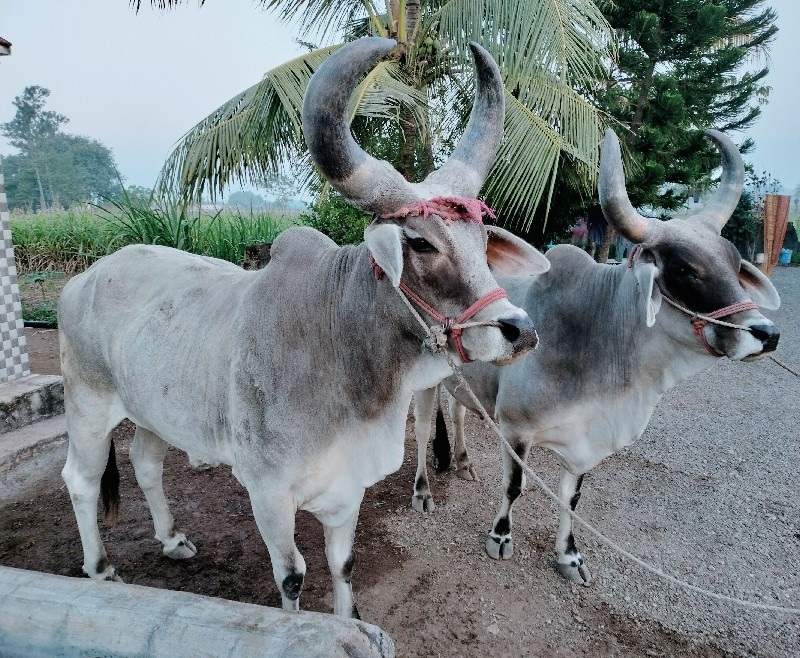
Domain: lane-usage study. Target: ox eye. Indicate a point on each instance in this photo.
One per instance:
(421, 245)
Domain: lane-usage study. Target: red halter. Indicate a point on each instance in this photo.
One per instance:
(449, 209)
(699, 321)
(448, 324)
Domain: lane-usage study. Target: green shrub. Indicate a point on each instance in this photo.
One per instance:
(337, 219)
(45, 311)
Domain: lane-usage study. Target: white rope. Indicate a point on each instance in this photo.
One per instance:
(700, 316)
(575, 517)
(784, 366)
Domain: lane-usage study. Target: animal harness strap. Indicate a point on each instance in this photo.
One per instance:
(699, 321)
(450, 209)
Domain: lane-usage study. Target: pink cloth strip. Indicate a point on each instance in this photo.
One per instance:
(450, 208)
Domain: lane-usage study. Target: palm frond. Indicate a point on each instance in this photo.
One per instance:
(248, 138)
(567, 38)
(327, 18)
(544, 48)
(258, 134)
(528, 158)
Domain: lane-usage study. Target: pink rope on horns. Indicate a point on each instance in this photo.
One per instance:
(448, 208)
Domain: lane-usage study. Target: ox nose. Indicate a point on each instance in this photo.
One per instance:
(519, 332)
(768, 334)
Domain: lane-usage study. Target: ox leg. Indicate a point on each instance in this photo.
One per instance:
(341, 559)
(90, 419)
(464, 468)
(147, 455)
(568, 558)
(500, 543)
(424, 406)
(274, 512)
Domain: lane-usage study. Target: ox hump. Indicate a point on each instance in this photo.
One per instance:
(569, 257)
(299, 245)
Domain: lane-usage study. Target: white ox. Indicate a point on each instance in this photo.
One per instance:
(612, 345)
(299, 375)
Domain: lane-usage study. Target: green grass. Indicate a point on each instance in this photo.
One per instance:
(69, 241)
(72, 240)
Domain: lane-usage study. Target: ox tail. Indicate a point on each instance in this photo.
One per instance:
(441, 442)
(109, 487)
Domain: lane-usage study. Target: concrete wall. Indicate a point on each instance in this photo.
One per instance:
(47, 615)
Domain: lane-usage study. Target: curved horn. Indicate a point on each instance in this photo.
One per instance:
(614, 198)
(371, 184)
(720, 207)
(466, 169)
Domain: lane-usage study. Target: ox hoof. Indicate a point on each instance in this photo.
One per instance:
(500, 547)
(180, 548)
(467, 472)
(423, 503)
(575, 573)
(109, 574)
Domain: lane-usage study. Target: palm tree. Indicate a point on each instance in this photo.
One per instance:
(418, 100)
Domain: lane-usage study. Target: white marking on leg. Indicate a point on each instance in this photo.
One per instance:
(274, 511)
(464, 468)
(147, 456)
(424, 407)
(570, 562)
(341, 558)
(90, 419)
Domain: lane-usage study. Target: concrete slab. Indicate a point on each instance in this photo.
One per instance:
(26, 442)
(47, 615)
(28, 399)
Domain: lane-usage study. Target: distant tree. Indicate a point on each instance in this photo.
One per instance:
(246, 199)
(282, 189)
(138, 193)
(53, 167)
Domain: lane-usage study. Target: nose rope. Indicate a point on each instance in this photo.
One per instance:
(454, 327)
(698, 320)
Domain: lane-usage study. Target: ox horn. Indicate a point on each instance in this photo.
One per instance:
(371, 184)
(720, 206)
(375, 185)
(614, 198)
(466, 169)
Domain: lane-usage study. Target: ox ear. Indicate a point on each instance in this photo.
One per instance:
(508, 255)
(649, 292)
(385, 242)
(759, 287)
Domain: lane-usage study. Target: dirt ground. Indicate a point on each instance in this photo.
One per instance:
(708, 494)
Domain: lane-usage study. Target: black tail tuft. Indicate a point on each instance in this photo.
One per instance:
(109, 488)
(441, 443)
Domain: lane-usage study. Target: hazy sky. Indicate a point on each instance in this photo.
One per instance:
(138, 82)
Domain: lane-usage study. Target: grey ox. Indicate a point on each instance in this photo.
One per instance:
(300, 375)
(610, 346)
